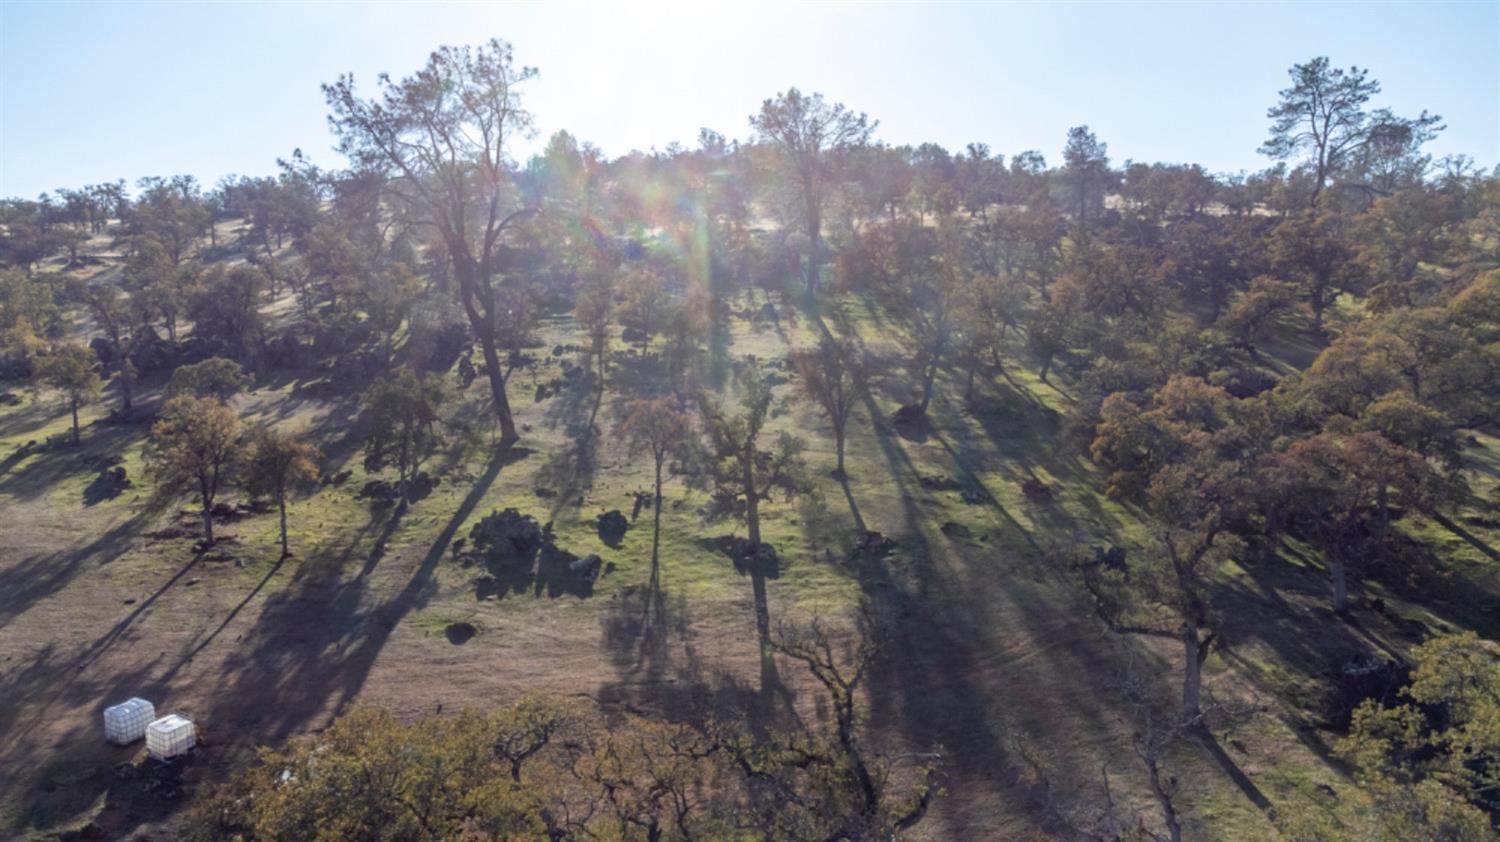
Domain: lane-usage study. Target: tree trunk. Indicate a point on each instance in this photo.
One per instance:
(73, 406)
(281, 503)
(1340, 585)
(127, 387)
(1383, 505)
(208, 514)
(838, 445)
(468, 274)
(1216, 295)
(752, 499)
(654, 593)
(929, 375)
(508, 434)
(857, 761)
(814, 231)
(1194, 652)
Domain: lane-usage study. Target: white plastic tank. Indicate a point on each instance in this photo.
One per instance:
(171, 736)
(126, 722)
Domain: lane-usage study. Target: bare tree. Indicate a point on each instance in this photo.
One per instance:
(1156, 732)
(1175, 588)
(841, 668)
(1157, 729)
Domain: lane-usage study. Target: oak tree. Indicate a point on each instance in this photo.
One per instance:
(660, 428)
(215, 377)
(196, 446)
(401, 416)
(835, 374)
(276, 465)
(441, 139)
(813, 137)
(72, 369)
(742, 466)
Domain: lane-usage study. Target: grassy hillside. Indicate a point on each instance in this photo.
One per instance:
(999, 659)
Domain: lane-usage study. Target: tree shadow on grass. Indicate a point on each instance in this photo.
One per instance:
(40, 576)
(34, 414)
(69, 778)
(306, 656)
(33, 476)
(658, 669)
(568, 474)
(1282, 606)
(719, 337)
(315, 641)
(760, 565)
(935, 683)
(1468, 537)
(1025, 443)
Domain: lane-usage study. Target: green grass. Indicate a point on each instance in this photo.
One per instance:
(950, 548)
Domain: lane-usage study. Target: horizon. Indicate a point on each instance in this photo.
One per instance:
(949, 74)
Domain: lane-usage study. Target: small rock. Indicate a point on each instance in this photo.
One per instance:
(612, 527)
(956, 530)
(586, 568)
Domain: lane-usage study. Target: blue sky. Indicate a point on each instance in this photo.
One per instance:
(96, 91)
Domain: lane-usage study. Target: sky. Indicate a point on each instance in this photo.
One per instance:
(93, 92)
